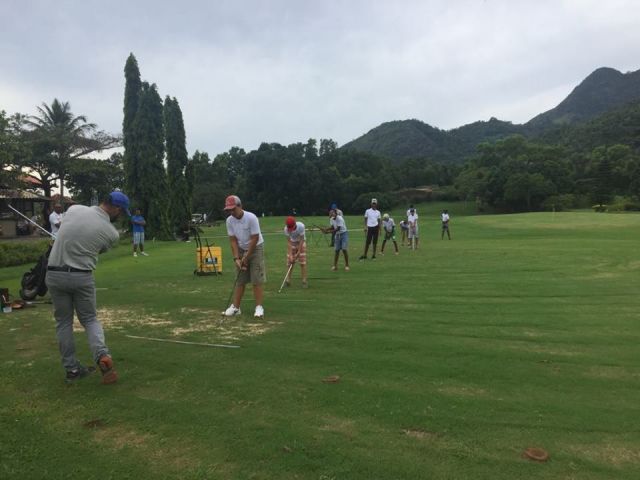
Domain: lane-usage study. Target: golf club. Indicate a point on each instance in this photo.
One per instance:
(286, 276)
(233, 289)
(182, 342)
(32, 222)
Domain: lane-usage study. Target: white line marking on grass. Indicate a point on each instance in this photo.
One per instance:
(183, 342)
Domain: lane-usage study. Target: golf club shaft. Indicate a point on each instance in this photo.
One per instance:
(234, 287)
(32, 222)
(285, 277)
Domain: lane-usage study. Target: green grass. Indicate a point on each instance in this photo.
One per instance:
(522, 331)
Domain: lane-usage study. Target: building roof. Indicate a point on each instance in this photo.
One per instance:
(8, 194)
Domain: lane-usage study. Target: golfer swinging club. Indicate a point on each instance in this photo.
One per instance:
(296, 249)
(246, 241)
(85, 232)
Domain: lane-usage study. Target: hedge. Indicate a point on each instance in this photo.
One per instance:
(21, 252)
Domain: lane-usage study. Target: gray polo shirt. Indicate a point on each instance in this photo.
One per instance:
(85, 232)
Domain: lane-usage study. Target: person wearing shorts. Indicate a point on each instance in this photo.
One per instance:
(404, 228)
(296, 249)
(445, 224)
(389, 228)
(339, 227)
(246, 241)
(413, 229)
(138, 223)
(372, 219)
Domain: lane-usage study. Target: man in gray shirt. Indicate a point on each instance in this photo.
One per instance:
(85, 232)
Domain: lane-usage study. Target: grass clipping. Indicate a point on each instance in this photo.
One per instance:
(180, 324)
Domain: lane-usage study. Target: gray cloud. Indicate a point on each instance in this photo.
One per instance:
(283, 71)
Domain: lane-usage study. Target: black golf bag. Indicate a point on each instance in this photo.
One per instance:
(33, 281)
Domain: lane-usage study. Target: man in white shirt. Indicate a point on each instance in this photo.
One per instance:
(372, 220)
(413, 228)
(246, 241)
(296, 249)
(445, 224)
(55, 219)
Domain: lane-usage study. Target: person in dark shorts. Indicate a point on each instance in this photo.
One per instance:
(372, 222)
(445, 224)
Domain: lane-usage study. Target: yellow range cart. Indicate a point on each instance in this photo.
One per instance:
(208, 258)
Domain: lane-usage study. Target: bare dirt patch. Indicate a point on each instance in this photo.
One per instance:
(420, 433)
(188, 320)
(463, 390)
(177, 456)
(338, 425)
(616, 453)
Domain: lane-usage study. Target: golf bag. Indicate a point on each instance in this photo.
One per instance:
(33, 281)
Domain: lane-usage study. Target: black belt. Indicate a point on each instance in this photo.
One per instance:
(67, 269)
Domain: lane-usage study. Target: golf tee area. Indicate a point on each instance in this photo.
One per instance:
(445, 362)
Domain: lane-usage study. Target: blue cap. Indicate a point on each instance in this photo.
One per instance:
(119, 199)
(333, 206)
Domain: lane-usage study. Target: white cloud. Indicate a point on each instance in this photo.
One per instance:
(283, 71)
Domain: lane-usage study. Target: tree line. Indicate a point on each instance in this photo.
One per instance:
(590, 164)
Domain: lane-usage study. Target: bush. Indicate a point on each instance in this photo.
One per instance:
(21, 252)
(446, 193)
(565, 201)
(385, 201)
(622, 204)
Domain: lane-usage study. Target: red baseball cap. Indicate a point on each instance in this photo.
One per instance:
(231, 202)
(291, 224)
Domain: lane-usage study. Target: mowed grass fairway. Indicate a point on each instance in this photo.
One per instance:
(521, 332)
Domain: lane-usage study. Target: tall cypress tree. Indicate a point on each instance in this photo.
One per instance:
(148, 138)
(179, 200)
(132, 91)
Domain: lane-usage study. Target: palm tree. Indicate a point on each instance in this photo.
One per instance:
(67, 136)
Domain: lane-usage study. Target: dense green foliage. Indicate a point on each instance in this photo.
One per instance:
(520, 332)
(91, 180)
(148, 143)
(21, 252)
(177, 159)
(132, 91)
(277, 179)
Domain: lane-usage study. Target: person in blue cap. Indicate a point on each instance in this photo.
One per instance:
(85, 233)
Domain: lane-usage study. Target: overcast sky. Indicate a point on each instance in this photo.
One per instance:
(246, 72)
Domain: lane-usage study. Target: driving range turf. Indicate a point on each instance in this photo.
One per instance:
(523, 331)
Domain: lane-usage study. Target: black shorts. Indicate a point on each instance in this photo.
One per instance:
(372, 234)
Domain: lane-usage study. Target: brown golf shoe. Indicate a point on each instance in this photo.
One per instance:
(109, 375)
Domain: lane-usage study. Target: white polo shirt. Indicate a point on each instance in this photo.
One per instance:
(54, 219)
(373, 217)
(243, 228)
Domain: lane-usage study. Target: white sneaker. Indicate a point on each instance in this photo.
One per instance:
(135, 254)
(231, 311)
(144, 253)
(259, 313)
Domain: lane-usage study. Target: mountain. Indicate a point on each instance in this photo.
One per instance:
(605, 90)
(621, 125)
(404, 139)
